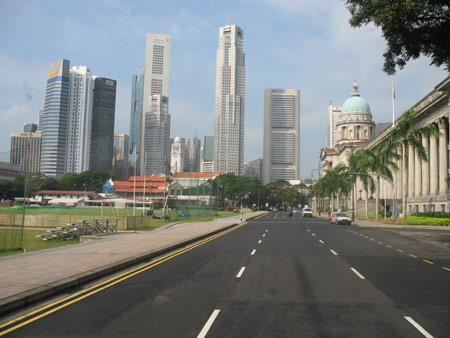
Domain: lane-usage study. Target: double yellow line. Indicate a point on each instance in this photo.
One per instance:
(60, 304)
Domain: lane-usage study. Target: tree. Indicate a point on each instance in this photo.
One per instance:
(380, 162)
(336, 184)
(407, 133)
(411, 28)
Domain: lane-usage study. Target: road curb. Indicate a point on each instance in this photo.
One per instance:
(16, 302)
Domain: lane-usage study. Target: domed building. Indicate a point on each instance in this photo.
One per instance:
(355, 121)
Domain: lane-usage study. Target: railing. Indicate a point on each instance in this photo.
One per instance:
(85, 227)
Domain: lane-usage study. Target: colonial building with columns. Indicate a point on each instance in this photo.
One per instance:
(423, 183)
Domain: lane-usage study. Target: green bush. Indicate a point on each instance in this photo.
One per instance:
(415, 220)
(432, 214)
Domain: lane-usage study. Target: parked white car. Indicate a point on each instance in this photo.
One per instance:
(307, 212)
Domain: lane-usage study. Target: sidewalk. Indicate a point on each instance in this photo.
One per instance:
(29, 277)
(389, 224)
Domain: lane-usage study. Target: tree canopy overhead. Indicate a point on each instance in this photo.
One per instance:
(411, 28)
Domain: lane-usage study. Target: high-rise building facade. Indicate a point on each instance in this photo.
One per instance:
(229, 113)
(156, 151)
(281, 156)
(194, 146)
(137, 90)
(29, 127)
(177, 156)
(155, 103)
(254, 169)
(54, 119)
(120, 160)
(208, 148)
(79, 120)
(26, 150)
(102, 129)
(333, 117)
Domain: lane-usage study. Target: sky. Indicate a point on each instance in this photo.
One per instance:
(302, 44)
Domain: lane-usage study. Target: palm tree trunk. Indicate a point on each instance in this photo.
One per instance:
(367, 204)
(378, 199)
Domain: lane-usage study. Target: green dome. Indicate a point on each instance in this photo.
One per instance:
(355, 104)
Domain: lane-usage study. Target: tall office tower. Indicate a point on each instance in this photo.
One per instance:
(29, 127)
(281, 158)
(56, 111)
(102, 127)
(137, 87)
(155, 153)
(79, 120)
(156, 82)
(254, 169)
(120, 160)
(177, 156)
(41, 117)
(208, 148)
(193, 146)
(26, 149)
(333, 117)
(229, 113)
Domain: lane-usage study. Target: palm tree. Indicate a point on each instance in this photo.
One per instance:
(380, 162)
(407, 133)
(337, 184)
(356, 165)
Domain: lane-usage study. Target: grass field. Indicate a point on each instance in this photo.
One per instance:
(10, 241)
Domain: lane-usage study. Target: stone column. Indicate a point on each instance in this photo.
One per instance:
(433, 166)
(443, 168)
(399, 182)
(425, 169)
(418, 174)
(411, 173)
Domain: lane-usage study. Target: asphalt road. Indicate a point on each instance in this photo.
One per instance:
(274, 277)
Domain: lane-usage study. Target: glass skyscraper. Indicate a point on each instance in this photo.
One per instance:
(56, 110)
(102, 132)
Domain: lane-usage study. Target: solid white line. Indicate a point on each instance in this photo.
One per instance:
(314, 235)
(264, 235)
(357, 273)
(208, 324)
(239, 275)
(259, 242)
(334, 252)
(253, 252)
(418, 327)
(320, 241)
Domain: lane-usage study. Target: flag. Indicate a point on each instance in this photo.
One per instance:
(393, 90)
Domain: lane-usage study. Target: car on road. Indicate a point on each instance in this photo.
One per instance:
(340, 218)
(295, 211)
(307, 212)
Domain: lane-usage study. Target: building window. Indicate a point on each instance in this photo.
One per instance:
(443, 207)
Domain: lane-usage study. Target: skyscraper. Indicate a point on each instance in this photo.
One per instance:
(56, 110)
(208, 148)
(79, 120)
(156, 153)
(229, 113)
(120, 160)
(194, 154)
(137, 87)
(26, 149)
(281, 135)
(155, 128)
(102, 131)
(333, 117)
